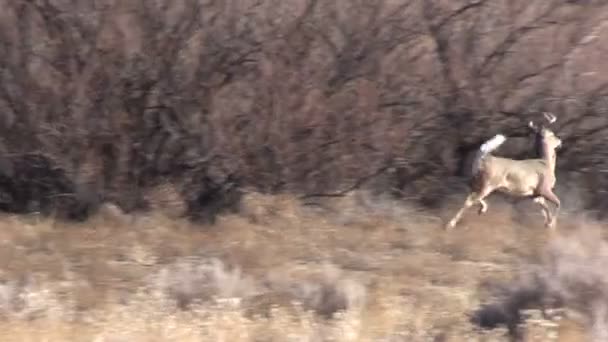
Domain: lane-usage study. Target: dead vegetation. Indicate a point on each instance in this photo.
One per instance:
(366, 269)
(567, 277)
(104, 101)
(138, 121)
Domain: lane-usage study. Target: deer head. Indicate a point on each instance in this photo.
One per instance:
(545, 138)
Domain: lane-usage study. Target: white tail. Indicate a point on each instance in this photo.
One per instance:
(485, 149)
(492, 144)
(533, 178)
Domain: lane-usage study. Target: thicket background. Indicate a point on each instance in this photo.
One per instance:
(137, 101)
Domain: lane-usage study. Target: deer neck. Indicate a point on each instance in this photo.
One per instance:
(549, 156)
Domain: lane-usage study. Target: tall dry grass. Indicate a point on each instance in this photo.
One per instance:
(359, 268)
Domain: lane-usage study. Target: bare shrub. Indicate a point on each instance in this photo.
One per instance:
(193, 280)
(570, 276)
(31, 298)
(109, 212)
(263, 208)
(36, 183)
(166, 199)
(574, 274)
(326, 292)
(318, 98)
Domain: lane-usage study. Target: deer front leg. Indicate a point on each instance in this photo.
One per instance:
(551, 197)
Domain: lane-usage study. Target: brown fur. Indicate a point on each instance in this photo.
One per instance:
(531, 178)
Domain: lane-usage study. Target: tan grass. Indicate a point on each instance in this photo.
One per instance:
(362, 269)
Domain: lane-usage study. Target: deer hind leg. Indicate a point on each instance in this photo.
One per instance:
(471, 199)
(468, 202)
(483, 206)
(545, 209)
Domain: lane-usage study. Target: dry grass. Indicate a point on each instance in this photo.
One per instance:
(353, 269)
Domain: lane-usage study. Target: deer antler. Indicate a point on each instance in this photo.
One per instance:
(550, 117)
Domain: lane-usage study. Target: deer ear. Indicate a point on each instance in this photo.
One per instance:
(533, 126)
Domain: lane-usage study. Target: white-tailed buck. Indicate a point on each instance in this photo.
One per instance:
(532, 178)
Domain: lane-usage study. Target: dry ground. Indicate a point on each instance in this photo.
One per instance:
(353, 269)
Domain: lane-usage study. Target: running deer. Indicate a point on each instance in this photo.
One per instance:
(529, 178)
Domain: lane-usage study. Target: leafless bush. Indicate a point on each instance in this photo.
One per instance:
(312, 97)
(29, 299)
(570, 276)
(329, 292)
(325, 292)
(573, 273)
(198, 280)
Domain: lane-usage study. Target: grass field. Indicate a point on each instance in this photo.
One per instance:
(350, 269)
